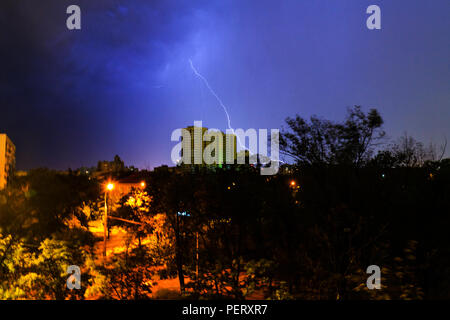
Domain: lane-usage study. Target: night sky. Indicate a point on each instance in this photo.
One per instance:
(123, 83)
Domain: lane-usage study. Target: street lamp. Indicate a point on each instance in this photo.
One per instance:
(109, 187)
(143, 184)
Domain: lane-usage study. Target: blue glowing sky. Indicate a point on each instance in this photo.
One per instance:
(123, 83)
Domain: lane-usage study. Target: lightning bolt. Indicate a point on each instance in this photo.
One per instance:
(213, 93)
(221, 104)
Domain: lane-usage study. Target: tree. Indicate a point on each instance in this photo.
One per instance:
(38, 272)
(39, 204)
(323, 142)
(135, 207)
(127, 276)
(408, 152)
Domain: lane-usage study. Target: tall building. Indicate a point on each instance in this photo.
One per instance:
(105, 168)
(7, 160)
(194, 145)
(230, 141)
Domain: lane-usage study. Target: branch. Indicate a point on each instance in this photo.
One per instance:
(443, 148)
(125, 220)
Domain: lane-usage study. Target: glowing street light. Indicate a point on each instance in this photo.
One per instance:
(293, 185)
(109, 187)
(143, 184)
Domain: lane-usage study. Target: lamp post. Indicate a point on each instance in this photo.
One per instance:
(196, 267)
(109, 187)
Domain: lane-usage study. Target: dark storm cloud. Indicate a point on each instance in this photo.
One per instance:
(62, 92)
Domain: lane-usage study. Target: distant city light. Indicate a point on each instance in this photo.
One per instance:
(143, 184)
(110, 186)
(184, 213)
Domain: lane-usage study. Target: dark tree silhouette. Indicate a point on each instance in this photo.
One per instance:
(323, 142)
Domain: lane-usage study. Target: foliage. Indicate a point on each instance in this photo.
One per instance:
(325, 142)
(125, 276)
(37, 273)
(39, 204)
(408, 152)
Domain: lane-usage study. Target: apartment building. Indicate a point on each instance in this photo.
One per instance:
(194, 145)
(7, 160)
